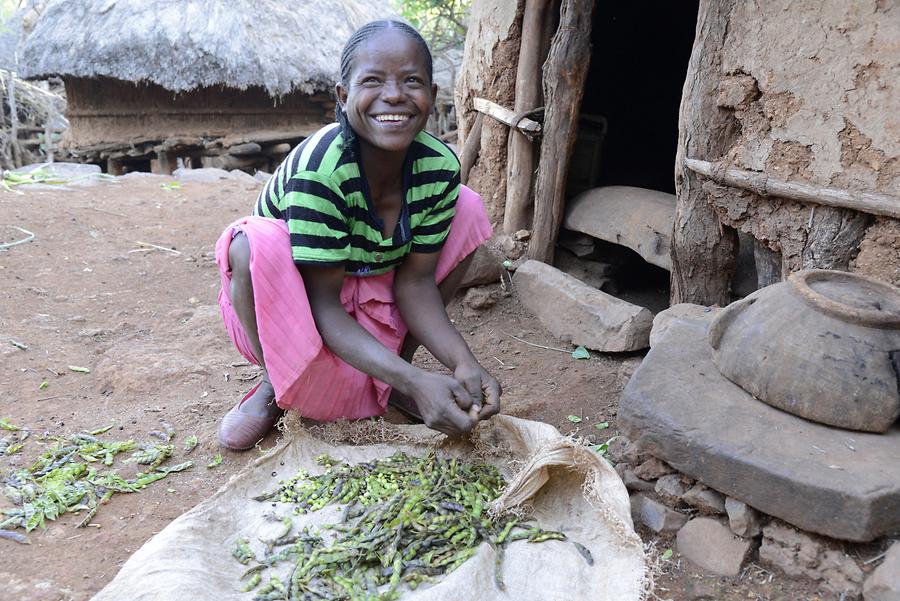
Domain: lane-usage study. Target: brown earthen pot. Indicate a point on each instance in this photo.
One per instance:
(824, 345)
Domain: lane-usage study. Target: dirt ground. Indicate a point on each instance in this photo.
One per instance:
(88, 291)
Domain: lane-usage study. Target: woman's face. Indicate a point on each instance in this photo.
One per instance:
(390, 93)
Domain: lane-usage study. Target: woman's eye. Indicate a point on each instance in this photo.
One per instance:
(369, 81)
(414, 79)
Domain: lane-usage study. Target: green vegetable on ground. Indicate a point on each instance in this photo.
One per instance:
(74, 475)
(405, 520)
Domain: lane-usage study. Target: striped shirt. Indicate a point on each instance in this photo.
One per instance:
(322, 194)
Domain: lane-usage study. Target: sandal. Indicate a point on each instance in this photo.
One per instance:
(240, 431)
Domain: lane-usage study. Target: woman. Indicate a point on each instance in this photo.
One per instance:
(357, 242)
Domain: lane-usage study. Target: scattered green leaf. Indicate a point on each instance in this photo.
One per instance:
(602, 425)
(14, 448)
(170, 186)
(190, 443)
(507, 264)
(80, 370)
(6, 425)
(101, 430)
(574, 419)
(601, 449)
(44, 385)
(667, 555)
(581, 353)
(216, 461)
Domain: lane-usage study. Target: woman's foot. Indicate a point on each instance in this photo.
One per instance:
(251, 419)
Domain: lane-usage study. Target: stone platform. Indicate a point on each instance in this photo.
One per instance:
(834, 482)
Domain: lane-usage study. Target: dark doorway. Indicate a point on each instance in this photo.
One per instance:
(638, 65)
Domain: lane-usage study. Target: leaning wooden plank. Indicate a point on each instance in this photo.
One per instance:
(506, 116)
(471, 148)
(766, 185)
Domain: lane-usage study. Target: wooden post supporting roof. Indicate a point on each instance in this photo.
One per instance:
(565, 73)
(703, 250)
(520, 158)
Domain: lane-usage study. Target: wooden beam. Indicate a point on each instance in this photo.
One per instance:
(520, 156)
(565, 73)
(506, 116)
(766, 185)
(703, 250)
(470, 150)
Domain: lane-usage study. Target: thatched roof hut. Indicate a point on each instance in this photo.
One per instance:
(777, 126)
(139, 73)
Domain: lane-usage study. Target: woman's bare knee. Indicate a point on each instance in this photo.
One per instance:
(239, 256)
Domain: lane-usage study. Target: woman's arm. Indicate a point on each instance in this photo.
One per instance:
(419, 300)
(437, 396)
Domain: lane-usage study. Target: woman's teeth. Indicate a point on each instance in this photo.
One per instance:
(384, 118)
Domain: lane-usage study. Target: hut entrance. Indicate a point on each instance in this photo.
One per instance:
(628, 135)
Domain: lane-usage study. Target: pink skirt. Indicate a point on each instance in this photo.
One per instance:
(306, 375)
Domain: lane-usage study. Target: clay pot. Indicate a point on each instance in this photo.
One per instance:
(824, 345)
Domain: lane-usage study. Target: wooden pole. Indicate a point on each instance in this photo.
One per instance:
(564, 75)
(703, 250)
(765, 185)
(14, 122)
(470, 149)
(520, 156)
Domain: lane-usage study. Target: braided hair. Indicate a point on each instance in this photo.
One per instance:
(349, 53)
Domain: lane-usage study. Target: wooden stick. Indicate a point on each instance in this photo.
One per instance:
(506, 116)
(520, 157)
(168, 250)
(470, 150)
(765, 185)
(548, 348)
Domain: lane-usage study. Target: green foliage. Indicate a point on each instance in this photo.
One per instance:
(441, 22)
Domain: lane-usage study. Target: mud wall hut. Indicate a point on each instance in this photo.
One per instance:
(222, 84)
(775, 123)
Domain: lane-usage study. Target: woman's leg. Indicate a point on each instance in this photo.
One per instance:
(262, 401)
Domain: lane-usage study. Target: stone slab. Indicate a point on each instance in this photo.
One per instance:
(637, 218)
(656, 516)
(574, 311)
(834, 482)
(712, 547)
(884, 582)
(485, 268)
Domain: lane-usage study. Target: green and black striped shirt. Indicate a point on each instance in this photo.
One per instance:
(322, 194)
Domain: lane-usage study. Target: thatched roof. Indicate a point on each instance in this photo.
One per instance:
(184, 44)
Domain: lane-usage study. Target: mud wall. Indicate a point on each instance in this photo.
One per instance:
(107, 111)
(489, 71)
(811, 86)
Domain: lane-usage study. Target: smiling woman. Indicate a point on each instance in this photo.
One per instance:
(355, 245)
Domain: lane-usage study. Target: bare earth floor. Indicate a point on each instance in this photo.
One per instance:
(89, 291)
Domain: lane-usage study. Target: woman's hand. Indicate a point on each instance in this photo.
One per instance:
(483, 389)
(444, 403)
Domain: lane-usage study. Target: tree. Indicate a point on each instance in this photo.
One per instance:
(441, 22)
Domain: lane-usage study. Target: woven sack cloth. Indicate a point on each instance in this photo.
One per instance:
(562, 484)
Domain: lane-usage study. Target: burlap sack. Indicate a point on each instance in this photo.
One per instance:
(564, 485)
